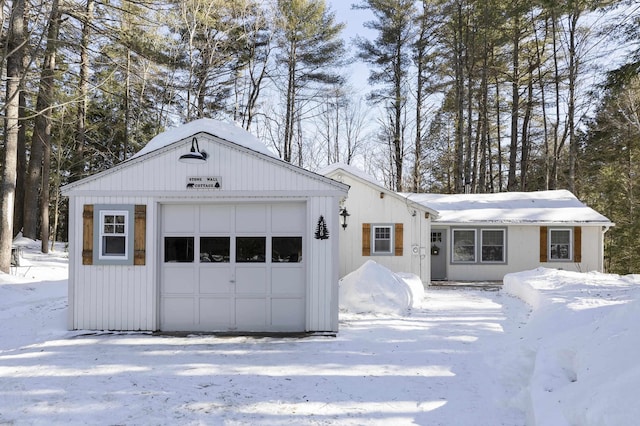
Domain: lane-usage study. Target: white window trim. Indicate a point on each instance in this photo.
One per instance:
(475, 246)
(504, 245)
(392, 238)
(126, 235)
(549, 243)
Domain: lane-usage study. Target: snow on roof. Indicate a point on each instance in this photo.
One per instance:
(351, 170)
(556, 206)
(231, 132)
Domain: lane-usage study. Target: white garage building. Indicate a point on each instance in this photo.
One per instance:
(204, 230)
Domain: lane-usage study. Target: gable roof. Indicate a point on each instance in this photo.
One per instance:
(334, 170)
(225, 133)
(545, 207)
(231, 132)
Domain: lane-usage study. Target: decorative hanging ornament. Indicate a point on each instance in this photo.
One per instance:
(322, 232)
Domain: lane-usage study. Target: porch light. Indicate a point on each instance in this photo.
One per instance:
(195, 156)
(345, 214)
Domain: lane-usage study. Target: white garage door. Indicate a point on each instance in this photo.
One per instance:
(233, 267)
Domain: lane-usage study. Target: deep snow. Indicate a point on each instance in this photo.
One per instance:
(465, 357)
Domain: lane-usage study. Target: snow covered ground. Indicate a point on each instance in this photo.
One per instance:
(451, 357)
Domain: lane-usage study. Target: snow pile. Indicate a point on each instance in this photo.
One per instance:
(372, 288)
(583, 341)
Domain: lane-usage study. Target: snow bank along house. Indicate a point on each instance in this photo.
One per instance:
(467, 237)
(204, 229)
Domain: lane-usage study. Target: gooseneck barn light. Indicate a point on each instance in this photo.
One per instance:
(195, 156)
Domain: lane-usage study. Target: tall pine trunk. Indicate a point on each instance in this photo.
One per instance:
(15, 73)
(37, 182)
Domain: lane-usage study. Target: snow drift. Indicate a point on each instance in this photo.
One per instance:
(372, 288)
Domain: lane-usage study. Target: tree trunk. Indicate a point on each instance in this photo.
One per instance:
(41, 139)
(515, 107)
(83, 94)
(15, 73)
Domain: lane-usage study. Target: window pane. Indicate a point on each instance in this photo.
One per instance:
(560, 237)
(464, 246)
(250, 249)
(214, 249)
(178, 249)
(493, 245)
(286, 249)
(382, 239)
(382, 246)
(113, 246)
(560, 248)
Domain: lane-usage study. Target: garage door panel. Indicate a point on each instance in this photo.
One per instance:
(251, 218)
(179, 280)
(179, 218)
(287, 313)
(178, 313)
(287, 280)
(288, 218)
(216, 219)
(216, 280)
(251, 279)
(251, 314)
(216, 312)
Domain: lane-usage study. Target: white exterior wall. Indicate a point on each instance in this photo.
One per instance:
(365, 206)
(111, 297)
(127, 297)
(523, 253)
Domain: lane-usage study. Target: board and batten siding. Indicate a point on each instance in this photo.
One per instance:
(111, 297)
(523, 255)
(367, 206)
(322, 299)
(241, 170)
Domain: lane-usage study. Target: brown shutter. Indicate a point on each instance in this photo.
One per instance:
(543, 244)
(398, 239)
(140, 233)
(87, 235)
(577, 244)
(366, 239)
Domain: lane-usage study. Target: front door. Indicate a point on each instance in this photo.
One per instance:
(438, 250)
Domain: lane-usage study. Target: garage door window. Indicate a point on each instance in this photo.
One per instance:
(214, 249)
(250, 249)
(286, 249)
(178, 249)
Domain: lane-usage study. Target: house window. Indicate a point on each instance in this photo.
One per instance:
(493, 243)
(214, 249)
(560, 244)
(114, 235)
(382, 239)
(464, 245)
(178, 249)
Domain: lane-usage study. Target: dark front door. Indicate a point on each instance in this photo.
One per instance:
(438, 250)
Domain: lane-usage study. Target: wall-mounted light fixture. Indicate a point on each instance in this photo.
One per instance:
(195, 156)
(345, 214)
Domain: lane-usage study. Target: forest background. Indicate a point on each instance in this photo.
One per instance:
(457, 95)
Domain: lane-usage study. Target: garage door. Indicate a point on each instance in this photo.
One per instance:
(233, 267)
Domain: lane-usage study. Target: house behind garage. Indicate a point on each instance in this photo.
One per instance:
(240, 241)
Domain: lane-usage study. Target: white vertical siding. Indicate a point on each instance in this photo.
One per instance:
(239, 170)
(111, 297)
(322, 276)
(365, 206)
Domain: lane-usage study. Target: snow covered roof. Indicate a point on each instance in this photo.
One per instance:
(557, 206)
(231, 132)
(361, 174)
